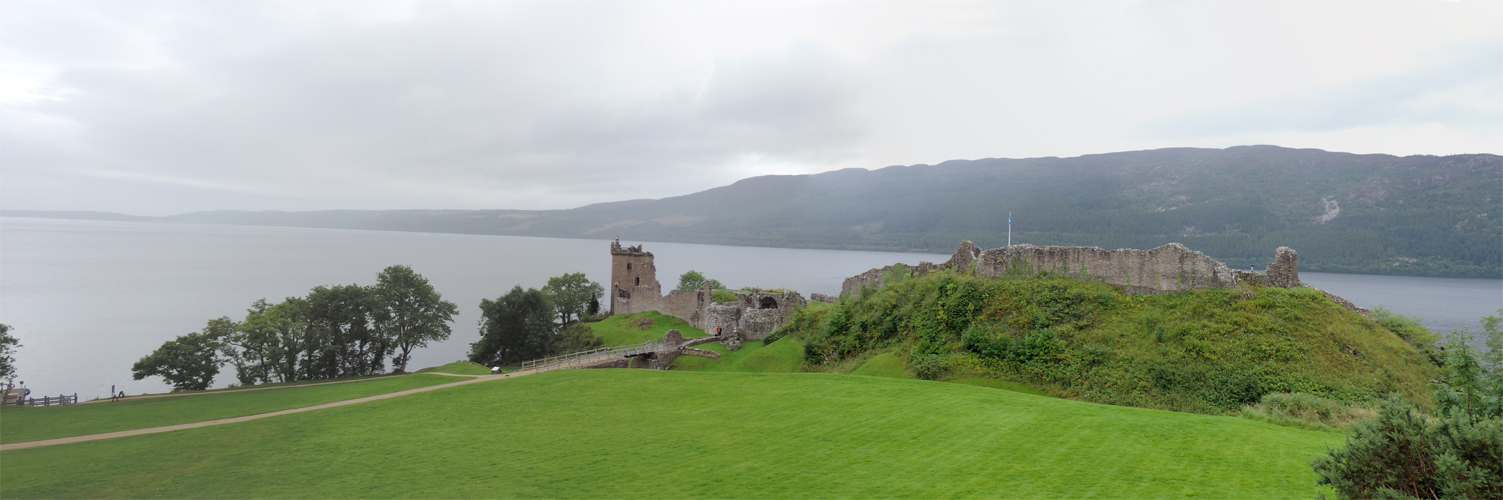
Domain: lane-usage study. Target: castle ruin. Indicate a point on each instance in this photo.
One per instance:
(1170, 268)
(635, 288)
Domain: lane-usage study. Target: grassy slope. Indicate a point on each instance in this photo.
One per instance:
(1203, 351)
(882, 365)
(460, 368)
(625, 329)
(656, 434)
(782, 356)
(32, 423)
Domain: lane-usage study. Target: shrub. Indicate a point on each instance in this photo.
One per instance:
(1402, 454)
(1306, 411)
(774, 336)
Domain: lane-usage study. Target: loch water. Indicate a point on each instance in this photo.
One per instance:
(89, 298)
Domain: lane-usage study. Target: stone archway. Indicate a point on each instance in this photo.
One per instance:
(767, 303)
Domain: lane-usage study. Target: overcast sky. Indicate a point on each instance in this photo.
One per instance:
(155, 108)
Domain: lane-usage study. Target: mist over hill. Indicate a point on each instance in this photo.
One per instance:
(1382, 214)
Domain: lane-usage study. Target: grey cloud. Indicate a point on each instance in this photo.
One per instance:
(473, 99)
(1446, 92)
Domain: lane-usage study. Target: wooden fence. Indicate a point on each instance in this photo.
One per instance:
(594, 356)
(61, 399)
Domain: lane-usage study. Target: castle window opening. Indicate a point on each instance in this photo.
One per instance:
(768, 303)
(628, 266)
(639, 281)
(623, 294)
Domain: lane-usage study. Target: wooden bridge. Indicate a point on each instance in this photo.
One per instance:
(654, 354)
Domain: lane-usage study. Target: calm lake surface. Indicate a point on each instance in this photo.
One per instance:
(89, 298)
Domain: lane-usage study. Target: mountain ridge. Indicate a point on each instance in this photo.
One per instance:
(1345, 212)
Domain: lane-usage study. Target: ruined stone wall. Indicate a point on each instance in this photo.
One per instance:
(1166, 269)
(634, 280)
(687, 305)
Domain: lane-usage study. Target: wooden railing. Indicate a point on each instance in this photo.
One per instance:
(587, 358)
(62, 399)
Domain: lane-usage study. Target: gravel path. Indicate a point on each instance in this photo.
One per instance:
(206, 423)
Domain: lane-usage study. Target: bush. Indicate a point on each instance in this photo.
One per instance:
(1402, 454)
(1306, 411)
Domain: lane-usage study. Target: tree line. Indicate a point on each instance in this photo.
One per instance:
(352, 331)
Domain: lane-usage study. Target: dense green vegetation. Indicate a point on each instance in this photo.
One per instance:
(531, 324)
(29, 423)
(335, 332)
(1379, 214)
(1455, 453)
(670, 434)
(1205, 351)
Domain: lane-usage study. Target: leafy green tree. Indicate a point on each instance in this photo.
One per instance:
(189, 362)
(576, 337)
(344, 345)
(515, 327)
(693, 280)
(571, 295)
(8, 345)
(409, 312)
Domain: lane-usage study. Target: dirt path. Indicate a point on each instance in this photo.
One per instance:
(206, 423)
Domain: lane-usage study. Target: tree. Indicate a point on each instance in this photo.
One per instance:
(576, 337)
(571, 295)
(344, 345)
(513, 328)
(8, 345)
(189, 362)
(693, 280)
(409, 312)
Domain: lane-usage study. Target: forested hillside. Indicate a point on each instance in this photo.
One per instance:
(1421, 215)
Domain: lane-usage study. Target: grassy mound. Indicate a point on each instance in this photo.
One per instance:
(460, 368)
(627, 329)
(882, 365)
(668, 434)
(28, 423)
(1206, 351)
(782, 356)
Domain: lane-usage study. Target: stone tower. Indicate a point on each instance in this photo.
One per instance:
(634, 280)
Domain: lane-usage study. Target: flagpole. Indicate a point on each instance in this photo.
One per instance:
(1009, 229)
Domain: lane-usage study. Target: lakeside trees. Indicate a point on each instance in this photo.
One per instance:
(520, 325)
(8, 345)
(338, 331)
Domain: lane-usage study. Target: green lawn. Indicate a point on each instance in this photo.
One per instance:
(463, 368)
(1000, 384)
(675, 434)
(782, 356)
(29, 423)
(882, 365)
(626, 329)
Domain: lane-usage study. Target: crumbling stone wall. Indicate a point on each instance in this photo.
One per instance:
(634, 280)
(1284, 270)
(1167, 269)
